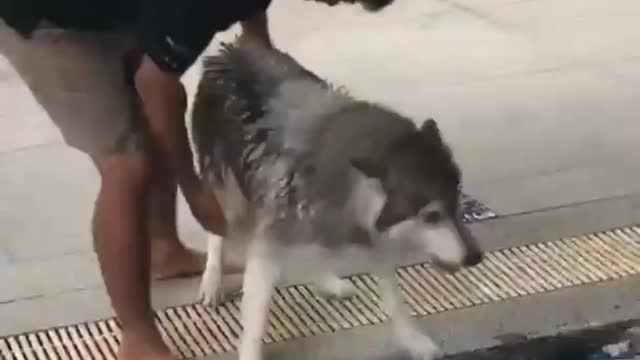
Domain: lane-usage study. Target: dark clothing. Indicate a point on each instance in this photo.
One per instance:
(172, 33)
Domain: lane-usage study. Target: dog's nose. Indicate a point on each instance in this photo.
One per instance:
(473, 259)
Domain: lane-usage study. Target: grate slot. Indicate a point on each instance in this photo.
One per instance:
(101, 341)
(83, 351)
(60, 348)
(618, 261)
(47, 346)
(429, 290)
(88, 342)
(35, 345)
(539, 284)
(110, 337)
(323, 317)
(369, 299)
(567, 262)
(172, 331)
(17, 353)
(483, 283)
(587, 263)
(5, 353)
(341, 310)
(421, 306)
(354, 311)
(291, 314)
(471, 288)
(310, 317)
(554, 268)
(362, 308)
(68, 344)
(539, 267)
(521, 286)
(26, 349)
(228, 335)
(306, 303)
(627, 246)
(336, 318)
(208, 342)
(187, 331)
(208, 329)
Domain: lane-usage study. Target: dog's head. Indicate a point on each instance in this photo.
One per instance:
(418, 199)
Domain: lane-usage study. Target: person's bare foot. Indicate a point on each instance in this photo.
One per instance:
(171, 259)
(144, 345)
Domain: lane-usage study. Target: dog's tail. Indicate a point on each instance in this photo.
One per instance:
(237, 85)
(251, 71)
(248, 85)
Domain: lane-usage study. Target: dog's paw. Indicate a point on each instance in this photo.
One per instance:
(418, 345)
(334, 287)
(210, 293)
(424, 351)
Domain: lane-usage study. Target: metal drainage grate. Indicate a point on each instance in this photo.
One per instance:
(194, 331)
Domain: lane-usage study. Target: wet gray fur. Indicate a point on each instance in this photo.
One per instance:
(289, 138)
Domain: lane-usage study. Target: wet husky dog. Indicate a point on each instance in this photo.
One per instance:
(310, 177)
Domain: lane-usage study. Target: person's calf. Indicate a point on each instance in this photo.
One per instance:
(123, 247)
(169, 257)
(119, 227)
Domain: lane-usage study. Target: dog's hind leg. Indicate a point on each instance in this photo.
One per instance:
(331, 285)
(260, 277)
(405, 332)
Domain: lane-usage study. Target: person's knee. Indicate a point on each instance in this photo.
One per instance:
(125, 179)
(130, 170)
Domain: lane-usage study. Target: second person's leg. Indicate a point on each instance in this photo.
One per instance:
(169, 256)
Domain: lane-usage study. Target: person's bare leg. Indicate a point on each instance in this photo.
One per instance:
(169, 256)
(122, 245)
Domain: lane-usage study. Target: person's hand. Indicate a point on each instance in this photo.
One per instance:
(207, 210)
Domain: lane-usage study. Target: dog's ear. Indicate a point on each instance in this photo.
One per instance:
(368, 168)
(375, 5)
(431, 133)
(430, 129)
(389, 215)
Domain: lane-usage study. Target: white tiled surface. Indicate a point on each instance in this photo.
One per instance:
(539, 99)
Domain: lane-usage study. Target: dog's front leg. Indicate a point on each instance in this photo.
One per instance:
(260, 277)
(211, 283)
(405, 331)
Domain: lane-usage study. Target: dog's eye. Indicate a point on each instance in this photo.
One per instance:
(433, 217)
